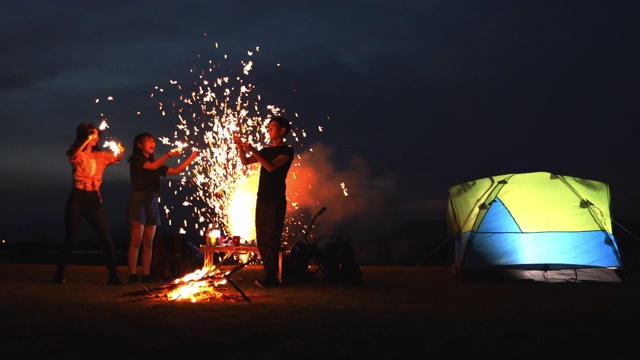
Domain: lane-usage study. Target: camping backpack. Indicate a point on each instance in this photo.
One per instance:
(174, 257)
(295, 264)
(337, 260)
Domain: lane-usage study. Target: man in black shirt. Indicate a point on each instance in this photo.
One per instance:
(271, 203)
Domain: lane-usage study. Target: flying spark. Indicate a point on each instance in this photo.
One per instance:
(210, 112)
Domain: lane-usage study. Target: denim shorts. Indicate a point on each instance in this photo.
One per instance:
(143, 208)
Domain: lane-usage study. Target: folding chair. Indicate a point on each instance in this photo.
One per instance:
(296, 267)
(326, 257)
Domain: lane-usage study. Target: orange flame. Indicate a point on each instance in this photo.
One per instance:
(198, 285)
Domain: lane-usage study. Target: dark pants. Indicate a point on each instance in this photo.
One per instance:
(269, 227)
(86, 204)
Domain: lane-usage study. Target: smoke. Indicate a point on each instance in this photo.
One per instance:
(356, 203)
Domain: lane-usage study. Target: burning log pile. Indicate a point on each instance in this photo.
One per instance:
(200, 285)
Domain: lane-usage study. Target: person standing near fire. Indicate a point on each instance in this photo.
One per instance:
(271, 202)
(88, 163)
(143, 211)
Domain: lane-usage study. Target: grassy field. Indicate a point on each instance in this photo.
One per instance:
(396, 312)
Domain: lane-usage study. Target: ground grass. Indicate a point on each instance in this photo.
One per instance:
(396, 312)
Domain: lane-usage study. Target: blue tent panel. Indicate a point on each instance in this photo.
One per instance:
(555, 249)
(498, 219)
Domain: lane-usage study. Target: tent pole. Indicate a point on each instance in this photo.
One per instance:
(628, 232)
(428, 255)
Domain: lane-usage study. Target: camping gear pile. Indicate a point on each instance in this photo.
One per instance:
(327, 259)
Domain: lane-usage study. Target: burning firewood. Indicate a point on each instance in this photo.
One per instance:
(196, 286)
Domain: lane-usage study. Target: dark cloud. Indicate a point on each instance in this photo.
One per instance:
(425, 94)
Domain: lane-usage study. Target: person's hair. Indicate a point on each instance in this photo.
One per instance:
(82, 133)
(282, 122)
(136, 149)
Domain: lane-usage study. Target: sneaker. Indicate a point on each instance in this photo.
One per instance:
(266, 284)
(133, 278)
(114, 280)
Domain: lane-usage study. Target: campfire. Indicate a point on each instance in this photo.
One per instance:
(197, 286)
(202, 284)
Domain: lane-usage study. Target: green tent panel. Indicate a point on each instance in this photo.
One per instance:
(533, 226)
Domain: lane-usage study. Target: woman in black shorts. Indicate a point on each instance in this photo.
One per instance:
(143, 212)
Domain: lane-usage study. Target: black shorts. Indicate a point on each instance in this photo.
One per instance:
(143, 208)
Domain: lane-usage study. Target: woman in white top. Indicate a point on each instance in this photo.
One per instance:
(88, 163)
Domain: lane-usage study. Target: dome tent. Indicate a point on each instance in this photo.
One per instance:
(533, 226)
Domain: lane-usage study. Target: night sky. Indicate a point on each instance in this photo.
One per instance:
(413, 96)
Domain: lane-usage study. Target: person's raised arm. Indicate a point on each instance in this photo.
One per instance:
(255, 156)
(180, 168)
(80, 148)
(268, 165)
(242, 154)
(153, 165)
